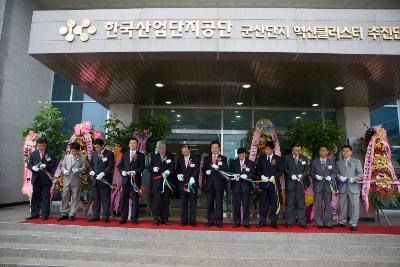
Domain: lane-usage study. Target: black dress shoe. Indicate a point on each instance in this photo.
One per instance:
(106, 220)
(63, 217)
(305, 226)
(32, 217)
(341, 225)
(328, 227)
(122, 221)
(45, 218)
(71, 218)
(184, 224)
(247, 226)
(235, 225)
(93, 220)
(134, 222)
(275, 226)
(260, 225)
(156, 223)
(353, 228)
(320, 226)
(288, 226)
(193, 224)
(209, 224)
(219, 225)
(166, 222)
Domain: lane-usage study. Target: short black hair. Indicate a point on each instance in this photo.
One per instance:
(241, 150)
(215, 142)
(270, 144)
(41, 140)
(185, 145)
(296, 145)
(98, 141)
(133, 138)
(75, 146)
(321, 146)
(347, 146)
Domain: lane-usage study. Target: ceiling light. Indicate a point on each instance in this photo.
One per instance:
(232, 121)
(237, 116)
(315, 105)
(246, 85)
(298, 117)
(172, 110)
(239, 103)
(159, 85)
(304, 113)
(168, 102)
(338, 88)
(178, 120)
(178, 115)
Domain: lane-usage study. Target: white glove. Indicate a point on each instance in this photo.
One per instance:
(328, 178)
(35, 168)
(131, 173)
(191, 181)
(342, 179)
(75, 170)
(180, 177)
(92, 173)
(167, 172)
(156, 169)
(264, 178)
(236, 177)
(352, 180)
(215, 166)
(66, 173)
(319, 178)
(124, 173)
(208, 172)
(294, 177)
(100, 176)
(272, 179)
(299, 177)
(42, 166)
(243, 176)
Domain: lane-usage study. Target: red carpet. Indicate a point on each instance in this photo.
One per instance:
(147, 224)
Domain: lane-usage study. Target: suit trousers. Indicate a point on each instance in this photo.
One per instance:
(70, 200)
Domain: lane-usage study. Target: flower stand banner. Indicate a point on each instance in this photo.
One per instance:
(379, 184)
(28, 148)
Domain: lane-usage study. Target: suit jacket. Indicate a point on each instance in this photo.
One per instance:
(329, 169)
(352, 169)
(35, 160)
(267, 168)
(215, 178)
(137, 165)
(192, 170)
(291, 168)
(248, 169)
(69, 163)
(167, 163)
(102, 163)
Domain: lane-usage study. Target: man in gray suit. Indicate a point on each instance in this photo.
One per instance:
(323, 173)
(296, 171)
(349, 192)
(74, 168)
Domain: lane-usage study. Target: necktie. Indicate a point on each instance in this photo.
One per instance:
(296, 158)
(132, 155)
(187, 161)
(214, 159)
(41, 155)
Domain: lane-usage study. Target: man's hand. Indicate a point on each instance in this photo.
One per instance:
(328, 178)
(352, 180)
(35, 168)
(243, 176)
(208, 172)
(167, 172)
(132, 173)
(264, 178)
(100, 176)
(156, 169)
(294, 177)
(66, 173)
(92, 173)
(75, 170)
(191, 181)
(124, 173)
(42, 166)
(180, 177)
(342, 179)
(215, 166)
(272, 179)
(319, 178)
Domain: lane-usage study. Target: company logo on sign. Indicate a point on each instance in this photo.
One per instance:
(72, 29)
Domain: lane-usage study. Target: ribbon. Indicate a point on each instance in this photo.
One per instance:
(189, 187)
(135, 187)
(165, 182)
(227, 175)
(278, 204)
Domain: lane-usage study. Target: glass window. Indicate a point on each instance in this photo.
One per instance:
(77, 94)
(144, 113)
(237, 119)
(61, 89)
(231, 143)
(192, 118)
(96, 114)
(72, 112)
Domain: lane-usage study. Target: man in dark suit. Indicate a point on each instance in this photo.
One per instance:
(296, 170)
(215, 184)
(269, 170)
(101, 167)
(131, 167)
(187, 169)
(241, 186)
(42, 163)
(162, 166)
(323, 173)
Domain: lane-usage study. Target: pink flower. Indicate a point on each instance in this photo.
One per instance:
(97, 134)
